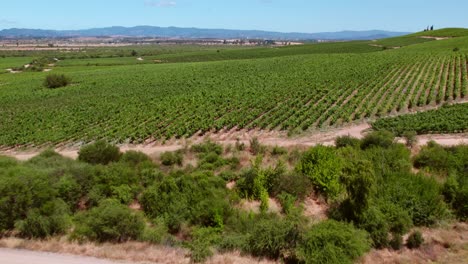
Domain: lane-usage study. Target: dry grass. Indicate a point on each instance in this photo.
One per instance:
(236, 258)
(254, 206)
(447, 245)
(131, 251)
(128, 252)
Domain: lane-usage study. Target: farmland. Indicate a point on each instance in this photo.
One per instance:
(448, 119)
(183, 92)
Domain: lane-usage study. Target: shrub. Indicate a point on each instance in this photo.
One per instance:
(395, 159)
(347, 141)
(382, 139)
(397, 242)
(278, 151)
(359, 180)
(156, 233)
(239, 145)
(134, 158)
(211, 160)
(332, 242)
(52, 218)
(207, 147)
(99, 152)
(110, 221)
(255, 147)
(271, 237)
(197, 199)
(22, 189)
(287, 202)
(293, 183)
(172, 158)
(415, 240)
(376, 224)
(56, 81)
(323, 167)
(417, 194)
(69, 190)
(116, 180)
(410, 138)
(202, 241)
(433, 157)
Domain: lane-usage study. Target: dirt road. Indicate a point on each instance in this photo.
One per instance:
(269, 138)
(16, 256)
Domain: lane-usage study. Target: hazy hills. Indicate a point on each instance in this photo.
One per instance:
(193, 33)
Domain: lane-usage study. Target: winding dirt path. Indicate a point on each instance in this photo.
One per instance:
(269, 138)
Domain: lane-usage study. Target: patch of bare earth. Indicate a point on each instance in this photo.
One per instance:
(268, 138)
(442, 245)
(315, 208)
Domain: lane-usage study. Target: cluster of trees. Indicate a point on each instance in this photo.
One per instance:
(374, 197)
(429, 28)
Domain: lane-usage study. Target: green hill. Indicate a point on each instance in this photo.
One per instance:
(445, 32)
(422, 37)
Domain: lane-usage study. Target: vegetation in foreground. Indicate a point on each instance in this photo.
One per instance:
(107, 196)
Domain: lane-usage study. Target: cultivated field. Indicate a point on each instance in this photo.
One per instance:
(182, 93)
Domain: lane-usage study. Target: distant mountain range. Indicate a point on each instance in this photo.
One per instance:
(197, 33)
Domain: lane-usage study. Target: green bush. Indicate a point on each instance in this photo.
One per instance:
(211, 161)
(455, 191)
(156, 233)
(347, 141)
(271, 238)
(256, 148)
(207, 147)
(134, 158)
(69, 190)
(22, 189)
(198, 199)
(293, 183)
(53, 218)
(56, 81)
(394, 159)
(332, 242)
(110, 221)
(382, 139)
(360, 184)
(278, 151)
(410, 138)
(415, 240)
(287, 202)
(172, 158)
(397, 242)
(417, 194)
(376, 224)
(433, 157)
(202, 241)
(99, 152)
(116, 180)
(323, 167)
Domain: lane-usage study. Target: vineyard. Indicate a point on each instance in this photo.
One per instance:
(447, 119)
(297, 89)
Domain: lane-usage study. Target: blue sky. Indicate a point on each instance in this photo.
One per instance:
(275, 15)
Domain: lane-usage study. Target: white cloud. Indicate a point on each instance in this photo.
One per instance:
(161, 3)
